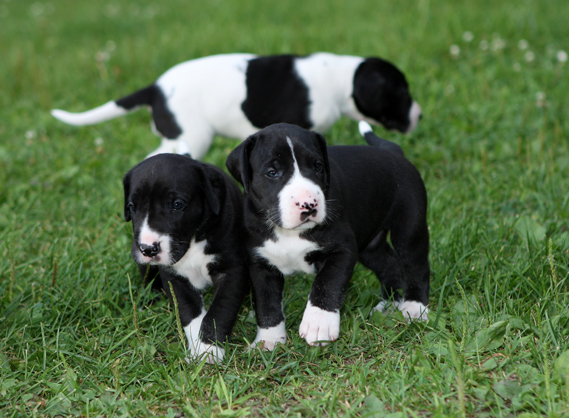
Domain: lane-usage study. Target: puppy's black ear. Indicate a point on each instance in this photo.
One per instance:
(238, 162)
(324, 150)
(126, 187)
(212, 190)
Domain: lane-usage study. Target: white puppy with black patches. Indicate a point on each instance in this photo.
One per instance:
(234, 95)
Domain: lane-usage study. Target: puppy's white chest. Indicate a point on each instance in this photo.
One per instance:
(193, 265)
(288, 253)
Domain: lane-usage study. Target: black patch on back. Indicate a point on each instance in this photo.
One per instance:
(275, 93)
(382, 93)
(153, 96)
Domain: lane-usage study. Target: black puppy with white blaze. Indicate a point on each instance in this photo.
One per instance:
(234, 95)
(187, 219)
(317, 209)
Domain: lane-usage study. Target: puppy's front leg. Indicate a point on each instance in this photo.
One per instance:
(268, 286)
(231, 286)
(321, 320)
(192, 312)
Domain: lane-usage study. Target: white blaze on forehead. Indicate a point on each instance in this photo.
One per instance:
(148, 236)
(300, 192)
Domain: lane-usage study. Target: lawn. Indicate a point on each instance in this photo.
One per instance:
(77, 334)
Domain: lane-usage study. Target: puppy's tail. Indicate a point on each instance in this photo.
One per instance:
(375, 141)
(109, 110)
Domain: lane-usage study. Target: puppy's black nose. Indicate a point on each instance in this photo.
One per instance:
(150, 250)
(304, 215)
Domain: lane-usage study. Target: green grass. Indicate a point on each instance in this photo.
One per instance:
(493, 148)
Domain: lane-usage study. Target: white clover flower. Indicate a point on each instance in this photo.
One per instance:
(540, 99)
(454, 50)
(561, 56)
(30, 134)
(484, 45)
(37, 9)
(102, 56)
(112, 10)
(523, 44)
(529, 56)
(98, 141)
(498, 44)
(467, 36)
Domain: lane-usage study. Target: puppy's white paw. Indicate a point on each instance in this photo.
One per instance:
(212, 353)
(384, 308)
(411, 310)
(318, 327)
(197, 348)
(270, 337)
(414, 310)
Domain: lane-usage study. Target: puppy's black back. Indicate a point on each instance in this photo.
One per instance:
(389, 188)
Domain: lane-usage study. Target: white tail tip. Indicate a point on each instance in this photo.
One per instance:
(102, 113)
(364, 127)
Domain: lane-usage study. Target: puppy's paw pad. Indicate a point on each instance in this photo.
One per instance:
(318, 327)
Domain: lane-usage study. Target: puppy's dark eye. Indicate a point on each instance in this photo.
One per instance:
(318, 167)
(272, 173)
(178, 205)
(130, 207)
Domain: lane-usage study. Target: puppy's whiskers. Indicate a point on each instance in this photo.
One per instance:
(331, 212)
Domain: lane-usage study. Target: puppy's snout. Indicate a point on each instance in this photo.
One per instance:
(308, 209)
(304, 215)
(150, 250)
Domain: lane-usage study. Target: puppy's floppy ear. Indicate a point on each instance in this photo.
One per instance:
(126, 187)
(213, 193)
(238, 162)
(324, 150)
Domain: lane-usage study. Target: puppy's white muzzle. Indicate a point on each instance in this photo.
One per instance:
(154, 247)
(302, 204)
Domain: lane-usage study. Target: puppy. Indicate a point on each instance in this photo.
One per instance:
(234, 95)
(187, 218)
(318, 210)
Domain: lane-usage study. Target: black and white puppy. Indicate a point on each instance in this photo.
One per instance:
(317, 209)
(234, 95)
(187, 219)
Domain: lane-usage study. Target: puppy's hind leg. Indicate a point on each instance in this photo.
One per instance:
(186, 137)
(403, 285)
(411, 245)
(379, 257)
